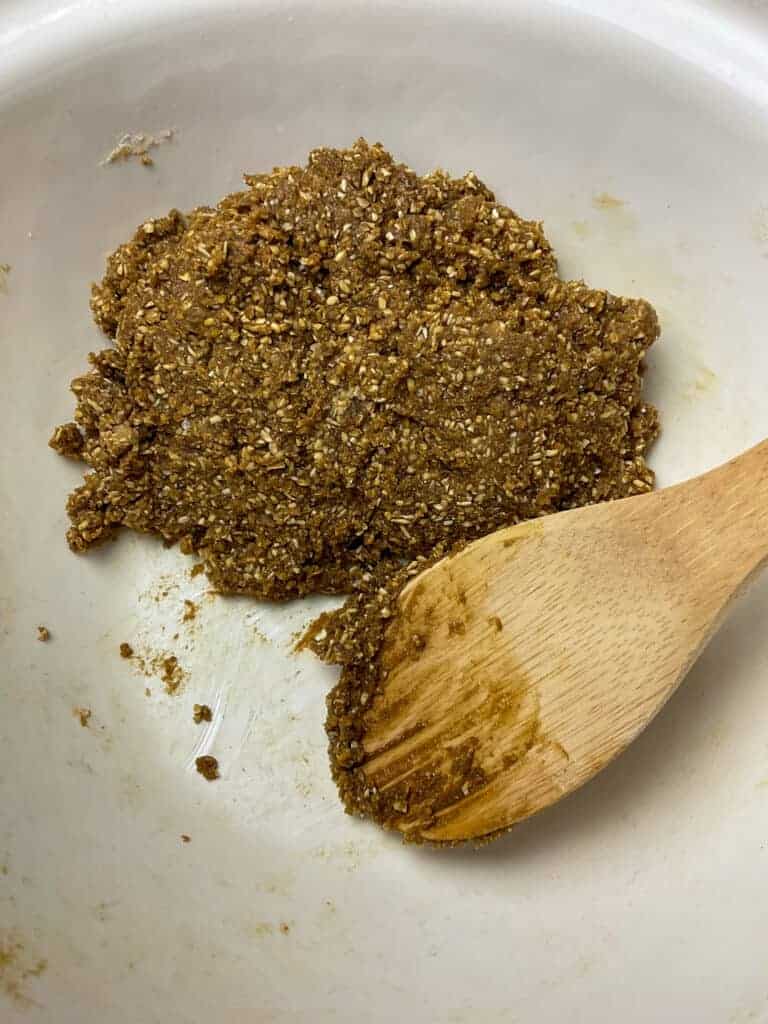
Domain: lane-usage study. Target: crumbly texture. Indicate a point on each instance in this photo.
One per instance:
(43, 634)
(156, 663)
(208, 767)
(352, 637)
(171, 673)
(201, 713)
(344, 365)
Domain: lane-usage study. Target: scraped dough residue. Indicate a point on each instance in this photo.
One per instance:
(605, 201)
(17, 967)
(138, 145)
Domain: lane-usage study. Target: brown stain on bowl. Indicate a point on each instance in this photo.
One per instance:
(605, 201)
(612, 222)
(259, 929)
(18, 968)
(84, 716)
(703, 383)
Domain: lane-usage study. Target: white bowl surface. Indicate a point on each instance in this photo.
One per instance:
(640, 898)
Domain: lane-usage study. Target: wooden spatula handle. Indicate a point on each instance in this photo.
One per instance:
(721, 519)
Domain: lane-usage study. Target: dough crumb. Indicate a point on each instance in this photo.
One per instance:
(201, 713)
(172, 674)
(208, 767)
(83, 714)
(126, 651)
(68, 440)
(43, 633)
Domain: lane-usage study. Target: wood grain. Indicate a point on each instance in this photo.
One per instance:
(518, 668)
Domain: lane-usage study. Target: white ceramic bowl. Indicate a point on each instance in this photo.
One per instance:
(642, 897)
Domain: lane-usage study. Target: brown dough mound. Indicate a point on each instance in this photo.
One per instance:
(343, 366)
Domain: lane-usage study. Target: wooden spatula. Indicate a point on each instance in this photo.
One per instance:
(550, 645)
